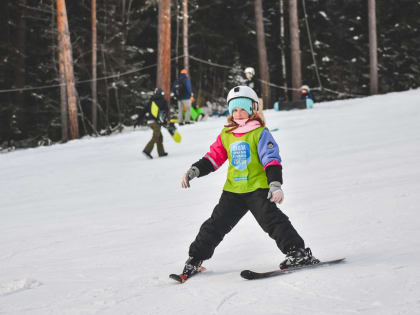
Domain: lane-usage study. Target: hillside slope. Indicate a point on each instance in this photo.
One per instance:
(92, 227)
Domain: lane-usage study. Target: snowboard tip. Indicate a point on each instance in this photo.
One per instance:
(246, 274)
(177, 278)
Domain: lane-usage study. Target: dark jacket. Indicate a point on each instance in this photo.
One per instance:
(255, 85)
(304, 96)
(161, 102)
(187, 93)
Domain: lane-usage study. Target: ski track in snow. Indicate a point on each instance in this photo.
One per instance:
(17, 286)
(224, 300)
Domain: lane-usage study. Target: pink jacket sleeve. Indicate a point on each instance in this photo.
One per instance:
(217, 154)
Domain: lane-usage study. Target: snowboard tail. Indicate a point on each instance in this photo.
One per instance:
(182, 278)
(173, 132)
(179, 278)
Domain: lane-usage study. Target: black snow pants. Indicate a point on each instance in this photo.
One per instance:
(230, 209)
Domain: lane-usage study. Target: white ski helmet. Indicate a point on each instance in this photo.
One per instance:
(242, 91)
(305, 87)
(250, 70)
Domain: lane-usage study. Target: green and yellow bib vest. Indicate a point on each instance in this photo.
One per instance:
(245, 172)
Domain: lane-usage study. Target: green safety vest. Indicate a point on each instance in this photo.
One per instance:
(245, 172)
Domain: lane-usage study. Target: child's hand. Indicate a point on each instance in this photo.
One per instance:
(275, 194)
(189, 175)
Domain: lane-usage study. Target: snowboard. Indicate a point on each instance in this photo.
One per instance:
(173, 132)
(161, 118)
(252, 275)
(309, 103)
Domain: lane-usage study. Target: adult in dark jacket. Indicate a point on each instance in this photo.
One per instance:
(156, 115)
(254, 84)
(184, 97)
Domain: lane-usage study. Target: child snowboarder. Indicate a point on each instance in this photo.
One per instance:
(157, 113)
(253, 183)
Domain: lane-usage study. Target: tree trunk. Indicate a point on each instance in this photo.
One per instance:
(185, 34)
(7, 38)
(177, 37)
(61, 75)
(373, 48)
(63, 95)
(20, 62)
(295, 49)
(164, 48)
(107, 98)
(283, 50)
(123, 7)
(64, 38)
(262, 53)
(94, 70)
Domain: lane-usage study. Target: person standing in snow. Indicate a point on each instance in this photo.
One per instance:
(183, 92)
(156, 115)
(305, 93)
(254, 84)
(253, 183)
(306, 96)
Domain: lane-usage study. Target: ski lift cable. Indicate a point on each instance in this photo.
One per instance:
(172, 59)
(43, 87)
(210, 63)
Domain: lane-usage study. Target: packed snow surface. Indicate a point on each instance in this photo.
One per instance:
(93, 227)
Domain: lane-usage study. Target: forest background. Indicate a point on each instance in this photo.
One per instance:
(222, 41)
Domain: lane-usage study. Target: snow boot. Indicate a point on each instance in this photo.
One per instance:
(148, 155)
(192, 266)
(298, 257)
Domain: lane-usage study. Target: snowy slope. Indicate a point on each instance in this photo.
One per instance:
(92, 227)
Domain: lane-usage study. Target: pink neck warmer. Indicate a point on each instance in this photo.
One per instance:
(245, 126)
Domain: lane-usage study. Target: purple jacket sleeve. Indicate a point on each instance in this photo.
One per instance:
(268, 150)
(269, 154)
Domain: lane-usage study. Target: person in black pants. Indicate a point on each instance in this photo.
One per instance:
(253, 183)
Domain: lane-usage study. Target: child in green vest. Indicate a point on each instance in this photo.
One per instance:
(253, 183)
